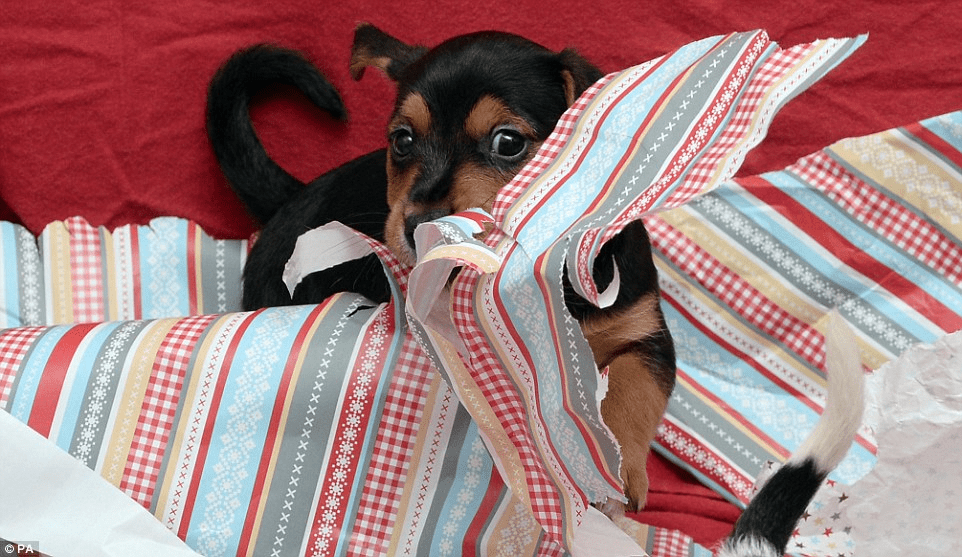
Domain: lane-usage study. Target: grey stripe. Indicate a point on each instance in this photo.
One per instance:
(31, 286)
(315, 398)
(108, 366)
(684, 108)
(783, 260)
(221, 266)
(459, 427)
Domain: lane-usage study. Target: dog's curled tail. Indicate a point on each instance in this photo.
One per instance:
(764, 528)
(262, 185)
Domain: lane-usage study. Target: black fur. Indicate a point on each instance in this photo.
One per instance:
(535, 84)
(451, 77)
(630, 250)
(354, 194)
(781, 503)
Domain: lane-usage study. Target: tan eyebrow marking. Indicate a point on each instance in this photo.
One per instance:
(414, 111)
(488, 113)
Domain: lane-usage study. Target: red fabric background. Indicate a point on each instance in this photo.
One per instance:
(102, 102)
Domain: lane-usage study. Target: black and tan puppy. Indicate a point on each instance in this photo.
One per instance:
(469, 114)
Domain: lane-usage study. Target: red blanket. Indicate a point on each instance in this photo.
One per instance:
(102, 104)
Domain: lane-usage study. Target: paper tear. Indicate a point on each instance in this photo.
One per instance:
(908, 504)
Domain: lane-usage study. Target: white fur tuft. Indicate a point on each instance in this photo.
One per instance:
(836, 429)
(749, 547)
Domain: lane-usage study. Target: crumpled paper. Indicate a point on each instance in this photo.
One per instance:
(909, 503)
(93, 518)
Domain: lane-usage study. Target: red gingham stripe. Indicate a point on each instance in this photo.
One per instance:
(886, 216)
(506, 403)
(152, 434)
(395, 441)
(86, 275)
(670, 543)
(14, 344)
(736, 293)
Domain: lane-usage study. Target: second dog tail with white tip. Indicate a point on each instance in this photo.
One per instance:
(764, 528)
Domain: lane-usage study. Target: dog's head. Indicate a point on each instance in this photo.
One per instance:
(469, 114)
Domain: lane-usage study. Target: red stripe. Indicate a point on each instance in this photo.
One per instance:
(273, 440)
(204, 443)
(192, 275)
(935, 142)
(135, 271)
(891, 280)
(471, 545)
(53, 377)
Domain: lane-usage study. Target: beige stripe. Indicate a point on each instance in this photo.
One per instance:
(758, 276)
(126, 410)
(911, 172)
(55, 241)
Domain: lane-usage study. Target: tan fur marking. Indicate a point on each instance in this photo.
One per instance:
(608, 333)
(571, 88)
(632, 409)
(489, 113)
(414, 112)
(361, 59)
(634, 404)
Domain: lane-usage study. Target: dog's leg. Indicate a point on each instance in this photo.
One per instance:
(632, 409)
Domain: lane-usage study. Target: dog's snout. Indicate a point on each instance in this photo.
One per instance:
(412, 221)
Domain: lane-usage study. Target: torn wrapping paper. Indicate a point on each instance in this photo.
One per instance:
(212, 422)
(92, 517)
(77, 273)
(909, 503)
(666, 132)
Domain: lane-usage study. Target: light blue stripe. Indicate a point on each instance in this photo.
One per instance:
(948, 127)
(11, 275)
(464, 498)
(762, 402)
(72, 402)
(240, 432)
(30, 378)
(878, 247)
(163, 268)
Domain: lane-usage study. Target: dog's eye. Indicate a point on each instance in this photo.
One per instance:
(402, 142)
(508, 144)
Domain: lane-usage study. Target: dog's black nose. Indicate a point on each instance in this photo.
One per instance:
(412, 222)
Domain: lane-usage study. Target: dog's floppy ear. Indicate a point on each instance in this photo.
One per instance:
(373, 47)
(578, 74)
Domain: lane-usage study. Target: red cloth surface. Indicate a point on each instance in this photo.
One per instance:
(102, 103)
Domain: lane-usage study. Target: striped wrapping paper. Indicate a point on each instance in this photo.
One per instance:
(77, 273)
(869, 225)
(647, 139)
(322, 430)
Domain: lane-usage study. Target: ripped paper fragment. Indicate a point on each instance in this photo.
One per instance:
(92, 517)
(646, 139)
(909, 503)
